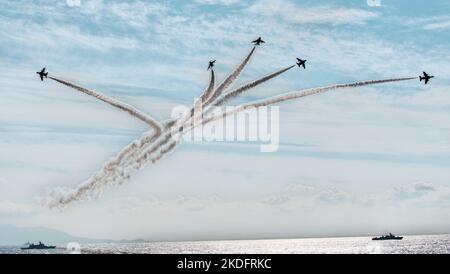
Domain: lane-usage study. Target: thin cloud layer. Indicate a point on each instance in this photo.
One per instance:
(287, 10)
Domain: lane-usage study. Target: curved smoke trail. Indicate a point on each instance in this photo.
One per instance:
(200, 101)
(113, 102)
(207, 93)
(230, 79)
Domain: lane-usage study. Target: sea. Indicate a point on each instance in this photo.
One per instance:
(413, 244)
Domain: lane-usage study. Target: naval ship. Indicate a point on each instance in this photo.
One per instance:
(389, 236)
(38, 246)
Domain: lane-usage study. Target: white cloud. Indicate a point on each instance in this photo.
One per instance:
(136, 14)
(431, 23)
(420, 194)
(297, 210)
(56, 36)
(438, 25)
(288, 11)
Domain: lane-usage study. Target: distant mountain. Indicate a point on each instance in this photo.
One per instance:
(12, 235)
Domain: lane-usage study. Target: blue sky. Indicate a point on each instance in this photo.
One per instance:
(356, 161)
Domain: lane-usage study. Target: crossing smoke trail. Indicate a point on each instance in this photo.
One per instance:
(206, 101)
(117, 168)
(206, 94)
(177, 123)
(112, 169)
(113, 102)
(220, 101)
(132, 156)
(197, 104)
(155, 144)
(113, 172)
(207, 97)
(276, 99)
(223, 99)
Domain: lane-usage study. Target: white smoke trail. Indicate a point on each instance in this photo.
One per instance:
(172, 132)
(113, 102)
(111, 171)
(176, 123)
(209, 96)
(226, 97)
(198, 104)
(303, 93)
(145, 156)
(152, 146)
(205, 99)
(206, 94)
(230, 79)
(118, 170)
(115, 170)
(223, 99)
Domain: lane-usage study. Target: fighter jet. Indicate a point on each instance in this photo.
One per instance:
(42, 74)
(425, 77)
(211, 64)
(301, 62)
(258, 41)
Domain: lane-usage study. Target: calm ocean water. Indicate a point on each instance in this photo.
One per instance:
(422, 244)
